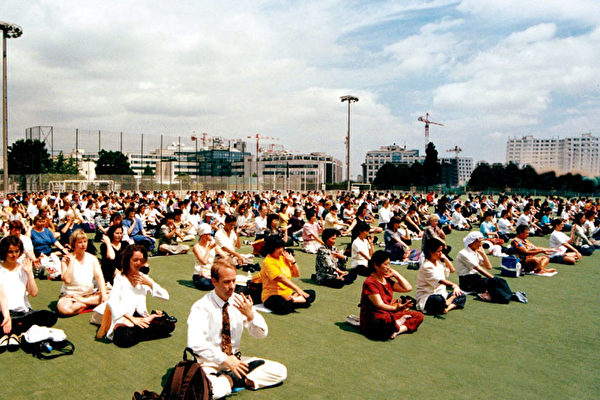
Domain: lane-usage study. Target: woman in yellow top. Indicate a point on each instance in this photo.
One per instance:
(279, 293)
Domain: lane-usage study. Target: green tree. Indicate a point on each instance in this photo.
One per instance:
(64, 165)
(28, 157)
(148, 171)
(431, 166)
(386, 176)
(112, 163)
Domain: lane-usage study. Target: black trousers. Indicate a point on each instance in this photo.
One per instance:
(125, 336)
(339, 283)
(281, 306)
(585, 251)
(497, 287)
(202, 283)
(436, 303)
(22, 321)
(362, 270)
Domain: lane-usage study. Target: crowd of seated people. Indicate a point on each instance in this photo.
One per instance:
(132, 227)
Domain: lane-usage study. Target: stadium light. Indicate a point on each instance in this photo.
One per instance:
(9, 31)
(350, 99)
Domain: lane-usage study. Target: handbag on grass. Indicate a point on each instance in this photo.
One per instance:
(46, 343)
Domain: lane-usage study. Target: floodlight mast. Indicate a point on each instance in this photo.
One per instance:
(350, 99)
(9, 31)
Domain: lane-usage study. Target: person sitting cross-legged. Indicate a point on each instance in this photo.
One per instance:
(215, 327)
(533, 259)
(280, 294)
(330, 263)
(169, 233)
(382, 317)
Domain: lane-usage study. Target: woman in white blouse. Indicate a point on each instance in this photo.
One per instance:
(79, 271)
(432, 282)
(16, 278)
(130, 322)
(205, 251)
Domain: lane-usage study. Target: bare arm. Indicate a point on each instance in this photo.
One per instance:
(31, 286)
(110, 252)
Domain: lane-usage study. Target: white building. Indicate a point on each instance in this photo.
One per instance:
(394, 154)
(294, 171)
(465, 169)
(573, 154)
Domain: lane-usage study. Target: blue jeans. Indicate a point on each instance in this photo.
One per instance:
(145, 241)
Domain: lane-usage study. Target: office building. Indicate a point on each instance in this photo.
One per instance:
(577, 155)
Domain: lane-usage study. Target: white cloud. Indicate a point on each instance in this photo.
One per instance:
(587, 11)
(513, 82)
(278, 68)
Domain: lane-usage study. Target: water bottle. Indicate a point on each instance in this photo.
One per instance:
(46, 347)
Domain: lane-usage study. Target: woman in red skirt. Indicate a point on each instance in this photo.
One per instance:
(381, 316)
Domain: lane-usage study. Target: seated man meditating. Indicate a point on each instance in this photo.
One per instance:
(215, 327)
(533, 259)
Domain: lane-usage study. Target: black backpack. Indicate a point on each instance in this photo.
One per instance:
(187, 382)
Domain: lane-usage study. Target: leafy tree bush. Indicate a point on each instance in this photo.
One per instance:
(112, 163)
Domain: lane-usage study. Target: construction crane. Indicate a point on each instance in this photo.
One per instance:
(455, 149)
(204, 138)
(427, 122)
(258, 137)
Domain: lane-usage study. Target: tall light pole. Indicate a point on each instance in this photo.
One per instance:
(8, 31)
(350, 99)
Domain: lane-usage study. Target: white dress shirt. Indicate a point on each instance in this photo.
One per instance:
(206, 322)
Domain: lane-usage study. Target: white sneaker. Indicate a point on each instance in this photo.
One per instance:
(353, 320)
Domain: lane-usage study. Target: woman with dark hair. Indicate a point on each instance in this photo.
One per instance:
(16, 277)
(130, 322)
(363, 219)
(432, 281)
(279, 293)
(382, 317)
(533, 259)
(581, 242)
(394, 243)
(310, 233)
(330, 263)
(16, 228)
(43, 239)
(111, 250)
(273, 229)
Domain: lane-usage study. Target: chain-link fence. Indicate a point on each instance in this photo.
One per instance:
(59, 183)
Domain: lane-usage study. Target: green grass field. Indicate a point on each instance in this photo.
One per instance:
(545, 349)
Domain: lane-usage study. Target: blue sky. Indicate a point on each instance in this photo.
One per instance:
(487, 69)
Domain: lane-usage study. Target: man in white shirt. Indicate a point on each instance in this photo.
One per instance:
(228, 240)
(459, 222)
(215, 327)
(385, 214)
(559, 241)
(260, 222)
